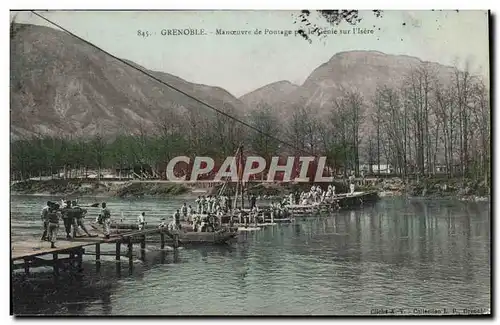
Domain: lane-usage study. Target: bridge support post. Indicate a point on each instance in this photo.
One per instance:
(143, 247)
(98, 257)
(176, 240)
(27, 266)
(162, 240)
(117, 257)
(79, 259)
(130, 260)
(55, 261)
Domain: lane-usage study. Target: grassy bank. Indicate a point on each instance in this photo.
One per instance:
(278, 189)
(427, 187)
(85, 188)
(431, 187)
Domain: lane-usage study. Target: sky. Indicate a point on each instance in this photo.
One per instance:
(243, 63)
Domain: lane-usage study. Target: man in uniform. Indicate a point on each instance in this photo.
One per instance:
(203, 204)
(53, 217)
(351, 184)
(253, 201)
(177, 219)
(210, 204)
(199, 204)
(68, 217)
(45, 221)
(190, 215)
(141, 221)
(184, 210)
(79, 215)
(105, 218)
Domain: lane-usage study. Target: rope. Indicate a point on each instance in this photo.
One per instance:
(173, 87)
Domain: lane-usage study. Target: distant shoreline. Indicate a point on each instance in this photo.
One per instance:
(104, 189)
(465, 190)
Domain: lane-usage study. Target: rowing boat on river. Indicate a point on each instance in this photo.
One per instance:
(186, 234)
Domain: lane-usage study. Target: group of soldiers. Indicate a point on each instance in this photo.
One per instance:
(72, 216)
(316, 195)
(212, 204)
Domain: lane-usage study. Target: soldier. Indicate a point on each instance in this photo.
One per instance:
(53, 217)
(184, 210)
(105, 219)
(79, 215)
(253, 201)
(213, 203)
(45, 221)
(141, 221)
(190, 215)
(206, 204)
(199, 203)
(177, 219)
(351, 183)
(203, 204)
(68, 218)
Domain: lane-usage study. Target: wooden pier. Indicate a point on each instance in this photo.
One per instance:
(32, 253)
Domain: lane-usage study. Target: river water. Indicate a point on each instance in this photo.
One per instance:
(411, 256)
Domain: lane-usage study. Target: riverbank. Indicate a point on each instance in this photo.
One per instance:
(456, 188)
(68, 188)
(427, 188)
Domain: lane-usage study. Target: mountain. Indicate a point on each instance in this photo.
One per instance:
(354, 70)
(62, 86)
(274, 94)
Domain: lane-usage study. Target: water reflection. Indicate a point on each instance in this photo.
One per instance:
(399, 253)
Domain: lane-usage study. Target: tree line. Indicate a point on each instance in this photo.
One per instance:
(424, 126)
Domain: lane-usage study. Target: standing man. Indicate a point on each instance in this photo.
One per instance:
(230, 203)
(105, 217)
(184, 210)
(253, 201)
(199, 204)
(79, 216)
(203, 204)
(177, 219)
(53, 217)
(141, 221)
(351, 183)
(45, 221)
(68, 218)
(190, 215)
(210, 203)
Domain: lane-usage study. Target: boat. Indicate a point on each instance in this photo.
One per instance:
(214, 237)
(340, 201)
(187, 235)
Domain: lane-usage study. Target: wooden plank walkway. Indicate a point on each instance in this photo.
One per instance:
(32, 247)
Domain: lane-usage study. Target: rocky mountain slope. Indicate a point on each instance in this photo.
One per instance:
(353, 70)
(62, 86)
(274, 94)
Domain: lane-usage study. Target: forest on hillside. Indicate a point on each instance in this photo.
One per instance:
(423, 127)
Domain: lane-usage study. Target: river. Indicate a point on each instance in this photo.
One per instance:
(411, 256)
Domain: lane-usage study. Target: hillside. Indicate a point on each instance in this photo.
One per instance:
(353, 70)
(274, 94)
(62, 86)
